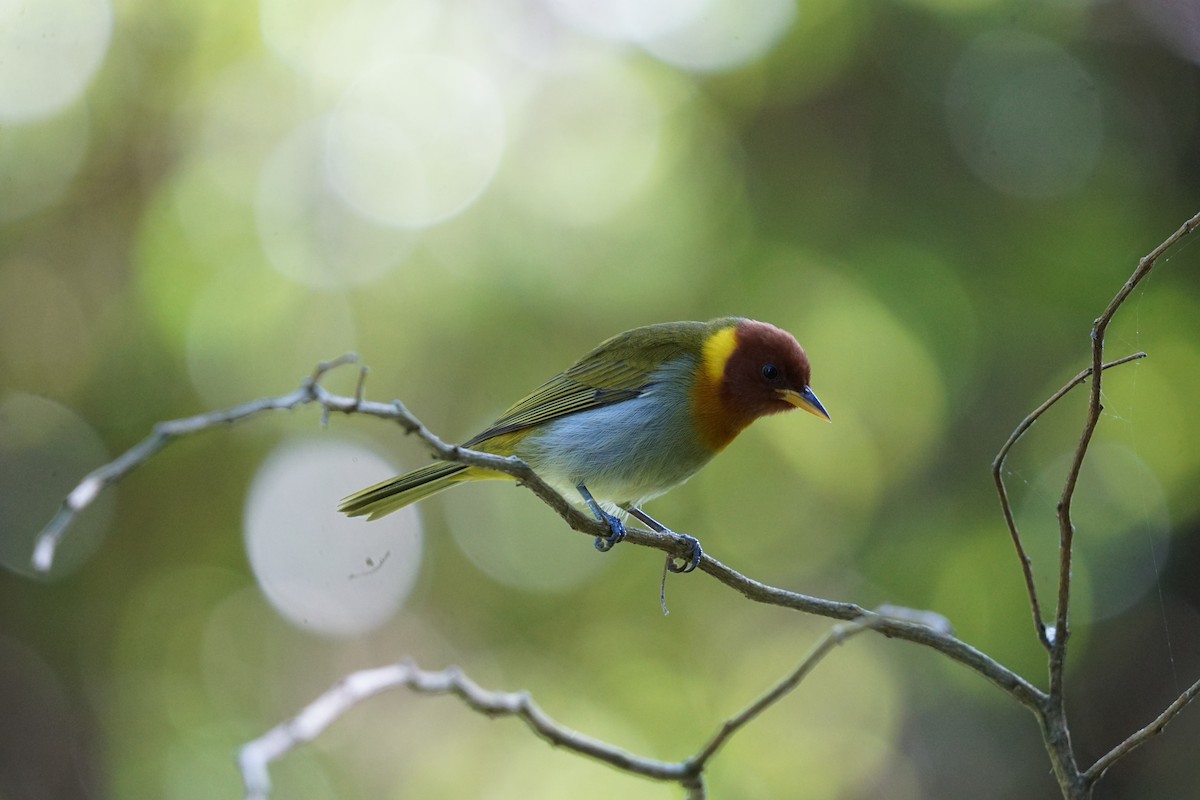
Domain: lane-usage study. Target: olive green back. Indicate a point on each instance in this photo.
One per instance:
(618, 369)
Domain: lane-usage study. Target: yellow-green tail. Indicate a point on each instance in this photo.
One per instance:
(396, 493)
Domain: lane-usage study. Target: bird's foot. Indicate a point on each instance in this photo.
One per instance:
(605, 543)
(676, 564)
(616, 535)
(681, 565)
(616, 528)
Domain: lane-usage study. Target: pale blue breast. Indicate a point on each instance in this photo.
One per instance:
(627, 452)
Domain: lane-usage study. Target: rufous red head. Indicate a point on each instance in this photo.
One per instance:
(768, 372)
(748, 370)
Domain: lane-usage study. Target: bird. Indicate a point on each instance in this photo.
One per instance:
(634, 418)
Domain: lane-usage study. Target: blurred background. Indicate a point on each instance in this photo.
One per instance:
(199, 202)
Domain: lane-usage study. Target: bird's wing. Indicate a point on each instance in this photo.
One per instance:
(619, 369)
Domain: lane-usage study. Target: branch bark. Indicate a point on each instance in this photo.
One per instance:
(922, 628)
(1002, 490)
(1058, 741)
(1074, 783)
(909, 626)
(255, 757)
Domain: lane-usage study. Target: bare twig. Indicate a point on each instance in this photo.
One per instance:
(1140, 737)
(163, 434)
(310, 392)
(836, 636)
(1095, 407)
(256, 756)
(896, 624)
(1001, 489)
(1056, 732)
(893, 626)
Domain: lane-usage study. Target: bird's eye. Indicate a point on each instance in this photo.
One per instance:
(770, 372)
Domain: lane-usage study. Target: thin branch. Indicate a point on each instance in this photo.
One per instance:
(1055, 730)
(255, 756)
(837, 635)
(894, 625)
(1139, 738)
(1002, 491)
(1095, 407)
(310, 392)
(163, 434)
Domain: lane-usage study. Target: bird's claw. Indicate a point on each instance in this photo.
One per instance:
(616, 535)
(680, 565)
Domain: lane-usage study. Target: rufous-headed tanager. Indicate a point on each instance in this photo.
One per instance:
(632, 419)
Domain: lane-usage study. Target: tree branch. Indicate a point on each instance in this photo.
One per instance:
(1002, 490)
(1139, 738)
(917, 627)
(1095, 407)
(897, 625)
(255, 757)
(1056, 731)
(163, 434)
(837, 635)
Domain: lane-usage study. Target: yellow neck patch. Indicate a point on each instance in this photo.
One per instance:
(717, 350)
(713, 422)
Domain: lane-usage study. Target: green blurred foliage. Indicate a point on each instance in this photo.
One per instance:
(937, 197)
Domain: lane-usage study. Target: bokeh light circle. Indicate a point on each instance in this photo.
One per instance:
(858, 345)
(590, 144)
(308, 232)
(1024, 114)
(45, 450)
(49, 49)
(323, 571)
(517, 540)
(626, 20)
(415, 141)
(330, 39)
(696, 35)
(724, 34)
(38, 161)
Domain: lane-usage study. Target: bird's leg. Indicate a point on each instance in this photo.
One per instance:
(615, 526)
(695, 552)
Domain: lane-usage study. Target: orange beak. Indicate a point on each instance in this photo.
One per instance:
(806, 400)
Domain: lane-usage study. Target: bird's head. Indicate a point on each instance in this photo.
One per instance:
(750, 369)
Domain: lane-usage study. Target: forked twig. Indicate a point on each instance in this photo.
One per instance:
(163, 434)
(1140, 737)
(255, 757)
(1095, 407)
(897, 624)
(1002, 490)
(837, 635)
(1056, 733)
(310, 392)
